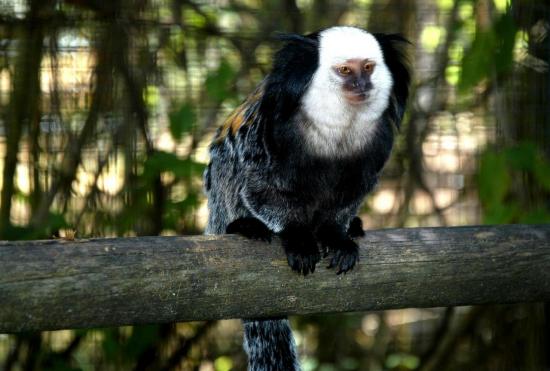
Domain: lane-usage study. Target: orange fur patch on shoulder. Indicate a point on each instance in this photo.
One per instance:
(235, 120)
(240, 116)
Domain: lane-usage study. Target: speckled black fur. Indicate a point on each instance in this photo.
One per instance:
(262, 180)
(269, 345)
(250, 228)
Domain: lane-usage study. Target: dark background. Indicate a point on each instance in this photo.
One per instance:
(107, 108)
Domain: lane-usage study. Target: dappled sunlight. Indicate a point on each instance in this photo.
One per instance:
(84, 182)
(165, 142)
(111, 179)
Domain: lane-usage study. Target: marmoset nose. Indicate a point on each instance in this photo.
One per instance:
(361, 85)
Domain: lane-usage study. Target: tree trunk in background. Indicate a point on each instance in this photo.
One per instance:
(325, 13)
(24, 106)
(393, 16)
(293, 16)
(523, 114)
(72, 157)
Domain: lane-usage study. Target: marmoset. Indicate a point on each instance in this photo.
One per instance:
(299, 155)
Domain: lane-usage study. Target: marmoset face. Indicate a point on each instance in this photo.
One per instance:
(348, 93)
(356, 79)
(351, 65)
(352, 76)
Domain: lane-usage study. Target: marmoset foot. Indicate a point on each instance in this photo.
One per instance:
(301, 249)
(344, 255)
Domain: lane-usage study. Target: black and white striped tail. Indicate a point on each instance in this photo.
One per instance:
(270, 346)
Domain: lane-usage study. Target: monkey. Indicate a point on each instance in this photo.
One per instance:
(299, 155)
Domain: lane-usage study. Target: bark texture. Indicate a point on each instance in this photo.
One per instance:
(46, 285)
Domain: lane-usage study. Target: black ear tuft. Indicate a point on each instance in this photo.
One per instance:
(293, 67)
(305, 40)
(394, 55)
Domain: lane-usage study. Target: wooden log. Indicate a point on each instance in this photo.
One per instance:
(47, 285)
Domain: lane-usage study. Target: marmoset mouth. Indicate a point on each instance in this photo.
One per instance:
(356, 98)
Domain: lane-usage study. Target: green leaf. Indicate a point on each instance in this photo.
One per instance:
(223, 363)
(56, 221)
(476, 60)
(217, 82)
(142, 337)
(542, 172)
(492, 51)
(500, 213)
(493, 178)
(110, 344)
(182, 121)
(14, 232)
(522, 156)
(539, 215)
(505, 34)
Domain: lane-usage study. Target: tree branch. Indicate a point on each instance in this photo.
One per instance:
(46, 285)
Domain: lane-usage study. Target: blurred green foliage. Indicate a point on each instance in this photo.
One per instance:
(511, 182)
(218, 82)
(490, 54)
(182, 121)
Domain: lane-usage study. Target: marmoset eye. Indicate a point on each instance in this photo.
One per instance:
(369, 67)
(344, 70)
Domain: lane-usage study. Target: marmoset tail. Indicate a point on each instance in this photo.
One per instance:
(299, 155)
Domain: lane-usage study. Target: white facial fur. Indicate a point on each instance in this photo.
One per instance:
(340, 128)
